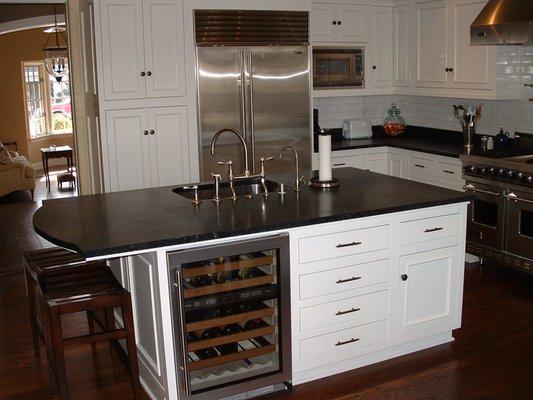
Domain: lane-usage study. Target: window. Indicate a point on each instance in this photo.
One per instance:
(48, 106)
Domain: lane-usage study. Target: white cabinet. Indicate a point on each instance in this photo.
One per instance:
(397, 165)
(379, 51)
(147, 147)
(142, 48)
(428, 291)
(430, 40)
(338, 22)
(402, 45)
(376, 162)
(355, 161)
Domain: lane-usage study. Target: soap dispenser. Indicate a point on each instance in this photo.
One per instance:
(500, 140)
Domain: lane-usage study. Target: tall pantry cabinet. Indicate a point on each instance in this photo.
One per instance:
(146, 111)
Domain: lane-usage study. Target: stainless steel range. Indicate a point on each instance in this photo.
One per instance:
(500, 218)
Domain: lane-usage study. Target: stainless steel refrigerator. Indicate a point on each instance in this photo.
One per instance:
(262, 92)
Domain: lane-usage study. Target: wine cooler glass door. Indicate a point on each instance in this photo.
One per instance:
(231, 306)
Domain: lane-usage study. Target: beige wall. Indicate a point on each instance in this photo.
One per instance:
(15, 48)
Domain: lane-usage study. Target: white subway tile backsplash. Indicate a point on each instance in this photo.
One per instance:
(433, 112)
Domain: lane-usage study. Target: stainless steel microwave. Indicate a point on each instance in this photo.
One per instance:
(336, 67)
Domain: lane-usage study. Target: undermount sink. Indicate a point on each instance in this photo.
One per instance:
(243, 188)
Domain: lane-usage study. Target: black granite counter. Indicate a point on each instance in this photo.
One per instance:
(428, 140)
(112, 223)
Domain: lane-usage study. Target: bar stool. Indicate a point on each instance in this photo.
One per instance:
(71, 287)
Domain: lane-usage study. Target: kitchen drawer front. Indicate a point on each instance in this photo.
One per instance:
(342, 244)
(344, 343)
(421, 166)
(343, 279)
(425, 229)
(447, 170)
(346, 310)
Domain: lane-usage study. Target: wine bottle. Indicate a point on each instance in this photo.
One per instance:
(256, 324)
(201, 280)
(210, 333)
(224, 276)
(228, 310)
(229, 348)
(252, 272)
(231, 329)
(211, 314)
(252, 306)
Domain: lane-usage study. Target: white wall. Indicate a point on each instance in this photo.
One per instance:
(432, 112)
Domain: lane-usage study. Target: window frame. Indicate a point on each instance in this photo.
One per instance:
(47, 100)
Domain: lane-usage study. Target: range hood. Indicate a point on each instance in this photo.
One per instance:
(503, 22)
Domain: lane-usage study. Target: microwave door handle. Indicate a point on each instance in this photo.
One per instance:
(251, 99)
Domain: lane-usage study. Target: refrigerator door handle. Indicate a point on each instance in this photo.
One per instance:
(243, 93)
(251, 97)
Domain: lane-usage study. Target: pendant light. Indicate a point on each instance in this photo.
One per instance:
(56, 54)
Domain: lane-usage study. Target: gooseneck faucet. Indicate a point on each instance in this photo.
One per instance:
(297, 179)
(243, 142)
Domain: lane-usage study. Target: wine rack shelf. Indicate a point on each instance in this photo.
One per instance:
(236, 337)
(228, 266)
(241, 317)
(241, 355)
(225, 287)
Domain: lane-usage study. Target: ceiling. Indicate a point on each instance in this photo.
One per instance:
(13, 12)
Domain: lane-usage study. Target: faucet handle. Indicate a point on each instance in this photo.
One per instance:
(263, 159)
(196, 201)
(225, 162)
(216, 178)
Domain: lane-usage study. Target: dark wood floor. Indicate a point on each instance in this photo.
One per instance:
(491, 358)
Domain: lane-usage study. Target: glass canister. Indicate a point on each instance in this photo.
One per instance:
(394, 124)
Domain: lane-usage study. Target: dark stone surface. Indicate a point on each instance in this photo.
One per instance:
(429, 140)
(118, 222)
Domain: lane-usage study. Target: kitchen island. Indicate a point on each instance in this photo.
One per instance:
(395, 246)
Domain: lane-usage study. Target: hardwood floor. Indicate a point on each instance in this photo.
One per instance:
(491, 358)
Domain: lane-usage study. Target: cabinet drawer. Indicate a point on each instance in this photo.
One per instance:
(421, 166)
(345, 343)
(345, 310)
(342, 279)
(421, 230)
(341, 244)
(449, 171)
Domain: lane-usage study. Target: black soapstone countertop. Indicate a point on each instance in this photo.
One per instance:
(112, 223)
(428, 140)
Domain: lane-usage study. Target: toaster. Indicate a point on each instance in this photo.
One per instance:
(356, 129)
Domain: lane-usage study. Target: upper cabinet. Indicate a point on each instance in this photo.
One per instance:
(142, 45)
(379, 53)
(333, 23)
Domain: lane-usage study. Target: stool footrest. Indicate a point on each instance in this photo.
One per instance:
(97, 337)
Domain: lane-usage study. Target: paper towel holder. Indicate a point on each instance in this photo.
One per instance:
(317, 184)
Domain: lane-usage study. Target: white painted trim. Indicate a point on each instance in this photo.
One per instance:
(30, 23)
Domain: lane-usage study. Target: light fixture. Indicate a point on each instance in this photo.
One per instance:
(56, 55)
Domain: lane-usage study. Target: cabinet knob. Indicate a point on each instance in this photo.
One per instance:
(145, 132)
(374, 67)
(339, 22)
(143, 73)
(404, 277)
(149, 73)
(334, 22)
(451, 69)
(152, 131)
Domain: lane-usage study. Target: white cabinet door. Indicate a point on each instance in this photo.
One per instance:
(376, 162)
(471, 65)
(402, 45)
(353, 23)
(429, 295)
(122, 48)
(322, 19)
(146, 307)
(127, 149)
(380, 72)
(169, 146)
(397, 165)
(164, 48)
(430, 45)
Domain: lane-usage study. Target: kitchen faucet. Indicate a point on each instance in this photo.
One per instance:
(243, 142)
(297, 179)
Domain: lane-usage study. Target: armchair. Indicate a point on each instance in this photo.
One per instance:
(18, 175)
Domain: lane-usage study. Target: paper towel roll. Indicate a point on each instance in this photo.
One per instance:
(324, 155)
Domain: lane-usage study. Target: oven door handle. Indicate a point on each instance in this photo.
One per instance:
(512, 196)
(472, 188)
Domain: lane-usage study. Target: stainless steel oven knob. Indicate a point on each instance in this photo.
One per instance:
(528, 179)
(510, 173)
(520, 175)
(501, 171)
(470, 169)
(481, 171)
(492, 170)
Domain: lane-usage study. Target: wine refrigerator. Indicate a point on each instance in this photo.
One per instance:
(231, 317)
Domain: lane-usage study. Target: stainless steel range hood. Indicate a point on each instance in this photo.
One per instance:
(503, 22)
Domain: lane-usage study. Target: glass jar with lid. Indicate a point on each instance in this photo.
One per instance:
(394, 124)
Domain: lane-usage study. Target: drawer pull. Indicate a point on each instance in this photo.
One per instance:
(347, 311)
(353, 278)
(339, 343)
(419, 166)
(339, 164)
(340, 245)
(433, 230)
(447, 172)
